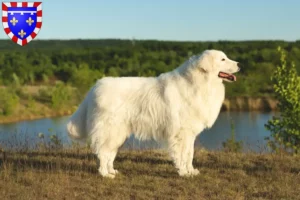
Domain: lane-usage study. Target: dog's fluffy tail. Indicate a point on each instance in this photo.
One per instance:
(76, 126)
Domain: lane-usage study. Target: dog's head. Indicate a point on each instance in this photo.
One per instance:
(218, 65)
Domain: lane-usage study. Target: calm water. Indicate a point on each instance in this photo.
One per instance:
(249, 128)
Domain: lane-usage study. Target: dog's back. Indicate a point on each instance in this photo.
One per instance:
(111, 98)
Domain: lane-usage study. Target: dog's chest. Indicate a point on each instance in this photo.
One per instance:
(206, 106)
(215, 100)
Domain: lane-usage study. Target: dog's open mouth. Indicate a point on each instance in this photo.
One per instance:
(227, 77)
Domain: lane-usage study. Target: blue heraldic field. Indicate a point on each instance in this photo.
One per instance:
(22, 21)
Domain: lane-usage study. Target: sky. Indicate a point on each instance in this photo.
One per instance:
(180, 20)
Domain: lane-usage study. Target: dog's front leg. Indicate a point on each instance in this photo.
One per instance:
(191, 170)
(181, 148)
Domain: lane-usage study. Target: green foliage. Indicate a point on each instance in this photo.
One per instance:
(31, 78)
(57, 96)
(231, 145)
(45, 78)
(8, 101)
(81, 62)
(60, 95)
(285, 129)
(45, 95)
(16, 81)
(83, 77)
(31, 103)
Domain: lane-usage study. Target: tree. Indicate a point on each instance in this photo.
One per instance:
(285, 129)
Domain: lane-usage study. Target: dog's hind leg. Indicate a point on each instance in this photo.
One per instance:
(103, 157)
(107, 155)
(108, 150)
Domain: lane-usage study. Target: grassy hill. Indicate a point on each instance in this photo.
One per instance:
(72, 174)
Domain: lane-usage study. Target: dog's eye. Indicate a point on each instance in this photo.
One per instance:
(223, 59)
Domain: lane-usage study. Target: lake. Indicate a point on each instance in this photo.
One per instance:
(249, 128)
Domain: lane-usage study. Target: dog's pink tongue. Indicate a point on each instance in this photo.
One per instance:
(230, 77)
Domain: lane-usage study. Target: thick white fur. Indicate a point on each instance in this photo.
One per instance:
(172, 108)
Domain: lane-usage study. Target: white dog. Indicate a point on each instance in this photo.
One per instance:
(172, 108)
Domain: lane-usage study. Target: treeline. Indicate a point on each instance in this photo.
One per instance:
(80, 62)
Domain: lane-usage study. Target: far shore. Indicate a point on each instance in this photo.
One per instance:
(14, 119)
(252, 104)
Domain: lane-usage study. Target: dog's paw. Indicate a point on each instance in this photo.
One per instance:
(112, 176)
(183, 173)
(105, 173)
(114, 172)
(194, 172)
(189, 173)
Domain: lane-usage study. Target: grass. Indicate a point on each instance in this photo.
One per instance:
(72, 174)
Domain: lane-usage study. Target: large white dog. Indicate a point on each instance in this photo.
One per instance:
(172, 108)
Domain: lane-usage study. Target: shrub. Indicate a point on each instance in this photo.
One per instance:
(58, 96)
(8, 101)
(31, 78)
(61, 95)
(84, 77)
(16, 81)
(231, 145)
(285, 129)
(44, 94)
(31, 104)
(45, 78)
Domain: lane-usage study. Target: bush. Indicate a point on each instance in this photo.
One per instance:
(58, 96)
(231, 145)
(61, 95)
(285, 129)
(45, 78)
(31, 104)
(16, 81)
(83, 78)
(45, 94)
(8, 101)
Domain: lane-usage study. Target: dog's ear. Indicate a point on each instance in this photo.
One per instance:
(205, 62)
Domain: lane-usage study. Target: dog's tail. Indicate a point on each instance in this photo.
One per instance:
(76, 126)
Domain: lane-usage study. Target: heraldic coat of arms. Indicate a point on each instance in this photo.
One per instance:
(22, 21)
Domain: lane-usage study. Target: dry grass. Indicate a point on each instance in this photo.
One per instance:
(40, 111)
(36, 108)
(72, 174)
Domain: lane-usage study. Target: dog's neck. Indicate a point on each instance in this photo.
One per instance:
(200, 77)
